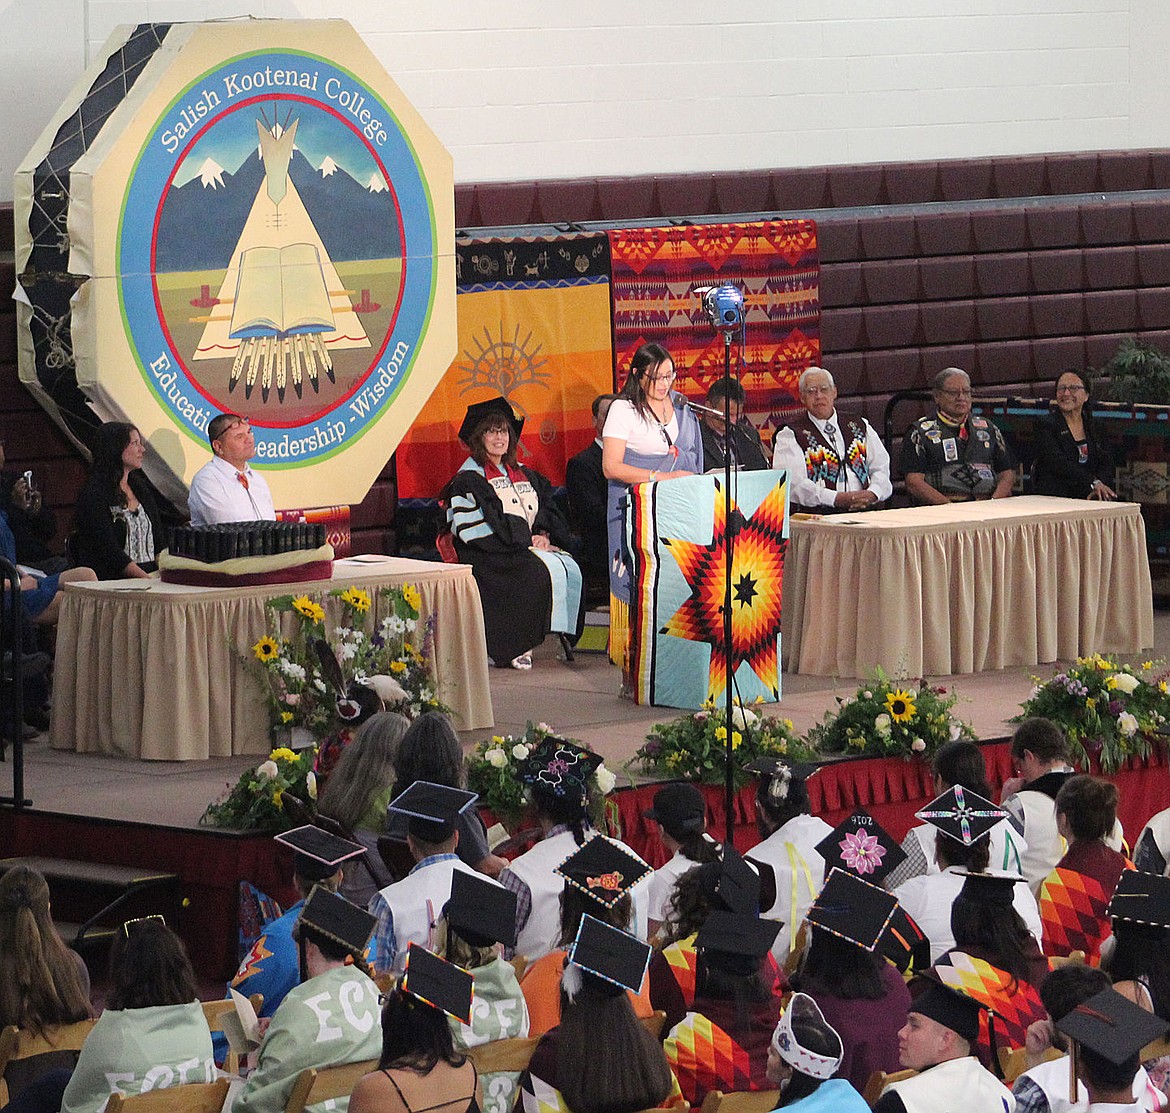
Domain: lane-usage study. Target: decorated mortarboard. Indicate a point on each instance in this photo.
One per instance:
(432, 809)
(951, 1007)
(853, 909)
(603, 869)
(904, 943)
(1141, 898)
(613, 955)
(990, 886)
(788, 1046)
(439, 983)
(861, 846)
(332, 917)
(780, 775)
(559, 766)
(318, 854)
(962, 814)
(737, 933)
(478, 411)
(1112, 1026)
(482, 911)
(739, 885)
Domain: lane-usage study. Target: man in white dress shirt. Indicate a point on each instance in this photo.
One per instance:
(226, 489)
(835, 463)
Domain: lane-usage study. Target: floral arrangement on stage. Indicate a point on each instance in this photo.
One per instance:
(694, 746)
(492, 772)
(1105, 708)
(319, 688)
(255, 802)
(890, 718)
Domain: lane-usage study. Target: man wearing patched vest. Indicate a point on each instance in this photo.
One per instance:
(835, 463)
(955, 456)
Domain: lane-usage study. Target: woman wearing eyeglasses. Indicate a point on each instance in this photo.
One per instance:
(649, 435)
(1072, 459)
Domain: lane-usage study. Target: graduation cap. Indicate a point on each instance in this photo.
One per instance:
(950, 1007)
(861, 846)
(739, 934)
(439, 983)
(330, 916)
(613, 955)
(1141, 898)
(1112, 1026)
(318, 855)
(904, 943)
(481, 911)
(432, 809)
(478, 411)
(853, 909)
(559, 766)
(739, 885)
(780, 776)
(603, 869)
(962, 814)
(990, 887)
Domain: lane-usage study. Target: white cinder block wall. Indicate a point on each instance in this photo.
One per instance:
(550, 88)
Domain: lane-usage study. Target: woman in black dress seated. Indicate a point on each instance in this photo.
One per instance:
(507, 527)
(118, 529)
(1072, 459)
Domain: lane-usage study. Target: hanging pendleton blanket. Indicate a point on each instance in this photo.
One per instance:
(678, 541)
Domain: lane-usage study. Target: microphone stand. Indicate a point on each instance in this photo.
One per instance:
(729, 552)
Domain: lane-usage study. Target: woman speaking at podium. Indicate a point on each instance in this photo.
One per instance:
(649, 435)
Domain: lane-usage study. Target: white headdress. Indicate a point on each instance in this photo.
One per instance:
(788, 1047)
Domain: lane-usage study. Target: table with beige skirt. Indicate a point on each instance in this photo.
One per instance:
(967, 587)
(161, 671)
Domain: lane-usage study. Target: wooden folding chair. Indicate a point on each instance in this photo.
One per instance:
(190, 1097)
(520, 965)
(655, 1022)
(213, 1010)
(879, 1080)
(753, 1101)
(1073, 958)
(327, 1084)
(1013, 1061)
(20, 1043)
(502, 1055)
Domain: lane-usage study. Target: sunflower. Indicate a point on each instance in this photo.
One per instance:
(266, 649)
(312, 611)
(356, 598)
(412, 597)
(901, 706)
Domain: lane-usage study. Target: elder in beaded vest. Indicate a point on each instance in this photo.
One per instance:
(821, 460)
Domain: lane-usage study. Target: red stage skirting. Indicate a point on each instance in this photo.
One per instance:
(210, 863)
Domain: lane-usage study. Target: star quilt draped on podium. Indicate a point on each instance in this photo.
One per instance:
(678, 537)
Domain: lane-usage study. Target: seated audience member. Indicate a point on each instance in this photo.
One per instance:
(226, 488)
(1074, 896)
(152, 1033)
(721, 886)
(1072, 459)
(598, 879)
(954, 456)
(861, 996)
(430, 751)
(681, 814)
(33, 524)
(743, 442)
(1152, 849)
(507, 526)
(600, 1058)
(936, 1041)
(960, 848)
(804, 1058)
(587, 489)
(1109, 1032)
(476, 920)
(834, 463)
(272, 965)
(406, 911)
(560, 777)
(722, 1042)
(42, 982)
(958, 763)
(791, 868)
(1044, 1086)
(118, 527)
(40, 596)
(330, 1018)
(995, 959)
